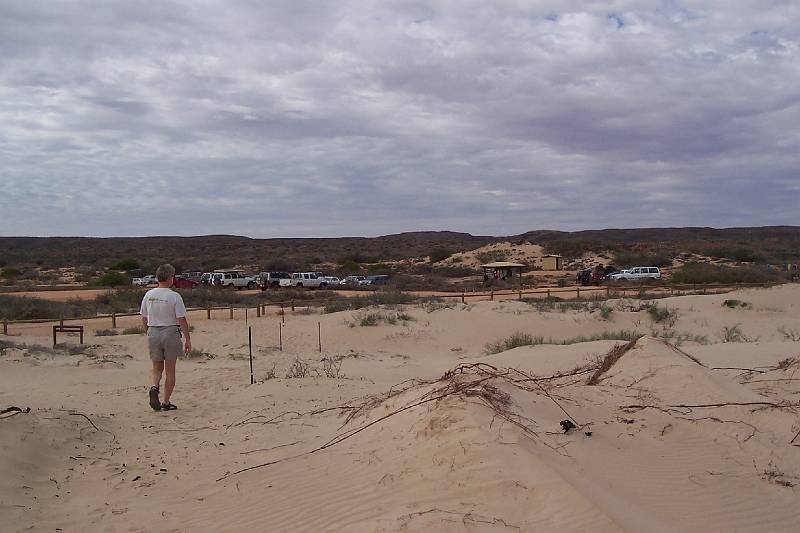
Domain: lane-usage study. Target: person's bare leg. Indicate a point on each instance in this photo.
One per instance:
(169, 382)
(158, 368)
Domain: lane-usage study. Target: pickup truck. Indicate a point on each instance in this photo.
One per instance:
(234, 279)
(311, 280)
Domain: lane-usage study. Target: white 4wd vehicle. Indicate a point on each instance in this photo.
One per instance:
(145, 281)
(637, 273)
(234, 279)
(311, 280)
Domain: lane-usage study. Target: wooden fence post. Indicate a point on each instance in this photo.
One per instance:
(463, 297)
(319, 335)
(245, 315)
(208, 313)
(113, 320)
(280, 336)
(578, 293)
(258, 311)
(491, 295)
(292, 306)
(5, 326)
(231, 312)
(520, 294)
(548, 293)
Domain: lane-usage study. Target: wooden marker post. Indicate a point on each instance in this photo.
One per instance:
(463, 297)
(258, 311)
(113, 320)
(5, 326)
(245, 315)
(208, 313)
(280, 336)
(250, 345)
(319, 335)
(231, 312)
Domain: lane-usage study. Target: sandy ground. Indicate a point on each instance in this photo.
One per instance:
(418, 429)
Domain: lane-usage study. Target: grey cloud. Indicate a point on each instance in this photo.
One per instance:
(340, 118)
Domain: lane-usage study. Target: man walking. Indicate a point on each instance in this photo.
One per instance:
(164, 319)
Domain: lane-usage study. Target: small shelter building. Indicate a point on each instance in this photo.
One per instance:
(502, 270)
(552, 262)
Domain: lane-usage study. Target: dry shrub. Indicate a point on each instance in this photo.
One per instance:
(298, 369)
(609, 360)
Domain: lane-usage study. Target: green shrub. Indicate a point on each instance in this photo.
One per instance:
(733, 304)
(439, 254)
(10, 273)
(491, 256)
(126, 264)
(742, 255)
(606, 311)
(708, 273)
(110, 279)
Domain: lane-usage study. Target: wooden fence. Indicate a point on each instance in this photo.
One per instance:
(520, 294)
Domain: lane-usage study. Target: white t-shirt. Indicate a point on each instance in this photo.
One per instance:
(162, 307)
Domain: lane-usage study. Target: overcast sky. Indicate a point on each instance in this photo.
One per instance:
(339, 118)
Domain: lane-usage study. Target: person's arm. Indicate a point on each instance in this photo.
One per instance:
(144, 323)
(187, 342)
(143, 312)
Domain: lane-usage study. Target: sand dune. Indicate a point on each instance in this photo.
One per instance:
(421, 430)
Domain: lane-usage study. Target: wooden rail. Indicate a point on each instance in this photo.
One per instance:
(609, 291)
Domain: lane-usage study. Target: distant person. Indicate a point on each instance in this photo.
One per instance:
(164, 319)
(485, 278)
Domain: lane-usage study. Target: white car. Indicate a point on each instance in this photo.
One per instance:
(333, 281)
(637, 273)
(309, 280)
(145, 281)
(234, 279)
(354, 280)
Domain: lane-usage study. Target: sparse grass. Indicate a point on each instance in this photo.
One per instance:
(606, 311)
(789, 334)
(518, 339)
(677, 339)
(196, 353)
(375, 317)
(133, 330)
(662, 314)
(734, 334)
(105, 332)
(271, 373)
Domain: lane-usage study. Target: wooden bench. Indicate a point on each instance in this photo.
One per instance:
(61, 328)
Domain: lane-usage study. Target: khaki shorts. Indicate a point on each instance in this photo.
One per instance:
(164, 343)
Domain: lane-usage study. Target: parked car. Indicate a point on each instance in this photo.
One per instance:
(594, 276)
(205, 279)
(310, 280)
(235, 279)
(380, 279)
(354, 280)
(194, 276)
(636, 274)
(183, 282)
(333, 281)
(145, 281)
(268, 280)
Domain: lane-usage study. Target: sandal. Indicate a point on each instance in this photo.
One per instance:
(154, 403)
(167, 406)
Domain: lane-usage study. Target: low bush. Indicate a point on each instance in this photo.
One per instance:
(708, 273)
(110, 279)
(662, 314)
(133, 330)
(105, 332)
(523, 339)
(516, 340)
(734, 334)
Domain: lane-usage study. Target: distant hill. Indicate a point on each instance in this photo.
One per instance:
(768, 244)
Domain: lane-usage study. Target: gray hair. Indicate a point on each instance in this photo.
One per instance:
(165, 272)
